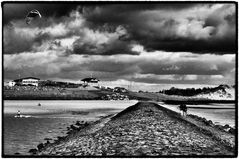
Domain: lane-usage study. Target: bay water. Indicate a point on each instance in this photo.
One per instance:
(52, 118)
(49, 120)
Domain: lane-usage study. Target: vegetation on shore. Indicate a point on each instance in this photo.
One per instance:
(193, 91)
(58, 93)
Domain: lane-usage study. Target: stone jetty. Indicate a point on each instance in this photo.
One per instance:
(144, 129)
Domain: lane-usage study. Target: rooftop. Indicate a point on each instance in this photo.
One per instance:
(20, 79)
(90, 80)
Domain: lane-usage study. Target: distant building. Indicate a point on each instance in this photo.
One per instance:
(32, 81)
(120, 90)
(94, 82)
(11, 83)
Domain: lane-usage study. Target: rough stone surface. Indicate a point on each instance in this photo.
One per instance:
(144, 129)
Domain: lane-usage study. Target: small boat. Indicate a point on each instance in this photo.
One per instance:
(22, 116)
(18, 116)
(39, 104)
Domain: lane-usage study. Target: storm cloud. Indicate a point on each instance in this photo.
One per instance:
(19, 37)
(141, 42)
(201, 28)
(197, 28)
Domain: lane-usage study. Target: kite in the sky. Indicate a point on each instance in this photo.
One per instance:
(32, 15)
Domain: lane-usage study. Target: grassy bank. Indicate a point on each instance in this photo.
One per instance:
(57, 93)
(50, 94)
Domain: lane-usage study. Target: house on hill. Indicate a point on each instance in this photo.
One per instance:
(30, 81)
(94, 82)
(120, 90)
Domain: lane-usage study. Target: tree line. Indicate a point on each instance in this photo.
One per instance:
(193, 91)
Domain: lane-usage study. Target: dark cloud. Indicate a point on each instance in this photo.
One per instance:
(118, 14)
(16, 11)
(192, 27)
(14, 42)
(111, 48)
(217, 46)
(107, 40)
(171, 27)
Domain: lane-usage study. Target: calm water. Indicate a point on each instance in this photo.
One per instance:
(221, 114)
(48, 120)
(52, 118)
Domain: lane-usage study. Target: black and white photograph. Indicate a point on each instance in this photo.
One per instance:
(119, 79)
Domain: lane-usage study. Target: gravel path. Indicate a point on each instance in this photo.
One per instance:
(144, 129)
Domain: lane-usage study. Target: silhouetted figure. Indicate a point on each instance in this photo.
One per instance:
(183, 108)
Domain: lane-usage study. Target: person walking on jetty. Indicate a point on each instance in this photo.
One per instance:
(183, 108)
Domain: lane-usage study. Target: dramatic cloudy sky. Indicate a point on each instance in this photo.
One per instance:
(144, 43)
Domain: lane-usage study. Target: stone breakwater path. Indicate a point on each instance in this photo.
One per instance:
(144, 129)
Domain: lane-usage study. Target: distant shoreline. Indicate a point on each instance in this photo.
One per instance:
(174, 102)
(53, 93)
(46, 98)
(196, 102)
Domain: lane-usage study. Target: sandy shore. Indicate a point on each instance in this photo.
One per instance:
(144, 129)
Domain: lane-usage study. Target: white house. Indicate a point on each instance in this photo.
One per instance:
(28, 81)
(94, 82)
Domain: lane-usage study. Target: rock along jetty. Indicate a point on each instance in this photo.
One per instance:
(144, 129)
